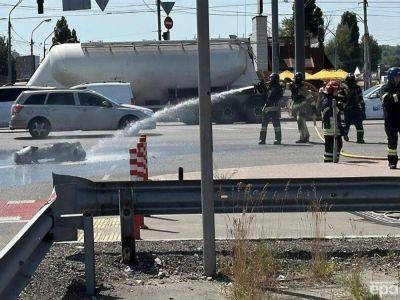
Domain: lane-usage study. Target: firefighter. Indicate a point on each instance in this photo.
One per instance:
(331, 92)
(391, 108)
(354, 111)
(271, 110)
(301, 99)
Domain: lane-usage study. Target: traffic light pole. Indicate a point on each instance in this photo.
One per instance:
(207, 185)
(159, 18)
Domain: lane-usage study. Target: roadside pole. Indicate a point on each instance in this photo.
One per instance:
(335, 131)
(275, 36)
(158, 3)
(203, 39)
(367, 63)
(299, 36)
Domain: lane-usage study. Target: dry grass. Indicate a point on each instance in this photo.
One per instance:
(320, 267)
(356, 288)
(253, 267)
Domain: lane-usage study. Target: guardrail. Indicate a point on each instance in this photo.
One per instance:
(79, 200)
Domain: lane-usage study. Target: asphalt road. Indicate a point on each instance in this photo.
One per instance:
(170, 146)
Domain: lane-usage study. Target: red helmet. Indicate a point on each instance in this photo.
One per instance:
(332, 86)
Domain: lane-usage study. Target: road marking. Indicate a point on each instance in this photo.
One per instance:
(19, 210)
(16, 219)
(20, 202)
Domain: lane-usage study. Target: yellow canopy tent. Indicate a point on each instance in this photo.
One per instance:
(329, 75)
(288, 74)
(285, 74)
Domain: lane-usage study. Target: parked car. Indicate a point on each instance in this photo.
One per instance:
(8, 95)
(120, 92)
(373, 103)
(63, 110)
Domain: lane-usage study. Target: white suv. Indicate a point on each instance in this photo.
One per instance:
(64, 110)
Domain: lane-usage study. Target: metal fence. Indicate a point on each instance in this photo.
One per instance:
(79, 200)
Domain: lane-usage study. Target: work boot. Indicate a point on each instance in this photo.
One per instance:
(276, 142)
(346, 138)
(302, 141)
(260, 142)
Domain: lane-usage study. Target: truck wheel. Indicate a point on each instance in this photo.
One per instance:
(189, 115)
(253, 110)
(226, 113)
(39, 128)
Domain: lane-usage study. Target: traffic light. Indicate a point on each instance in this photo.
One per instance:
(165, 35)
(40, 6)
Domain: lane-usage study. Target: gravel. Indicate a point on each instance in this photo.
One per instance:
(61, 274)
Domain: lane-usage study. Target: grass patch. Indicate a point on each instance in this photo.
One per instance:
(356, 288)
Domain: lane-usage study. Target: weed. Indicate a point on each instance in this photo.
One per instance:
(356, 288)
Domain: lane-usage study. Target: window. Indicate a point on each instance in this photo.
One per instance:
(90, 100)
(36, 99)
(61, 99)
(10, 94)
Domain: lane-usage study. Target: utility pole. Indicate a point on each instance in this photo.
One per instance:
(275, 36)
(9, 73)
(206, 149)
(299, 36)
(159, 18)
(367, 59)
(9, 54)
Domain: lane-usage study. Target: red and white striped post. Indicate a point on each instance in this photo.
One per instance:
(134, 175)
(142, 167)
(139, 172)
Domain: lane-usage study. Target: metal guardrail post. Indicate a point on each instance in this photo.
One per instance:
(126, 213)
(89, 254)
(180, 173)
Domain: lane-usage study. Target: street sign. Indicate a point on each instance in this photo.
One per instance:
(168, 23)
(102, 4)
(76, 4)
(167, 6)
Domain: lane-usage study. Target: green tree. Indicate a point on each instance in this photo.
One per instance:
(4, 58)
(374, 50)
(287, 29)
(390, 55)
(314, 23)
(62, 33)
(331, 52)
(346, 42)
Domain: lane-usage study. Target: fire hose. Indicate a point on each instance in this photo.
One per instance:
(347, 154)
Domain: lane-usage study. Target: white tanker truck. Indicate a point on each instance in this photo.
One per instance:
(160, 73)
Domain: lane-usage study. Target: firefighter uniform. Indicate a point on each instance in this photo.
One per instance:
(391, 108)
(271, 111)
(328, 123)
(354, 111)
(301, 99)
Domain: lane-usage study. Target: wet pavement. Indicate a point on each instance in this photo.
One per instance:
(170, 146)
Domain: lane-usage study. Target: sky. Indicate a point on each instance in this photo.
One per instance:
(136, 20)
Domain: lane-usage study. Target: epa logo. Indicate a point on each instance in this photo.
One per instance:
(384, 289)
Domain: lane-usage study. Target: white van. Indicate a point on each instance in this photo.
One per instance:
(120, 92)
